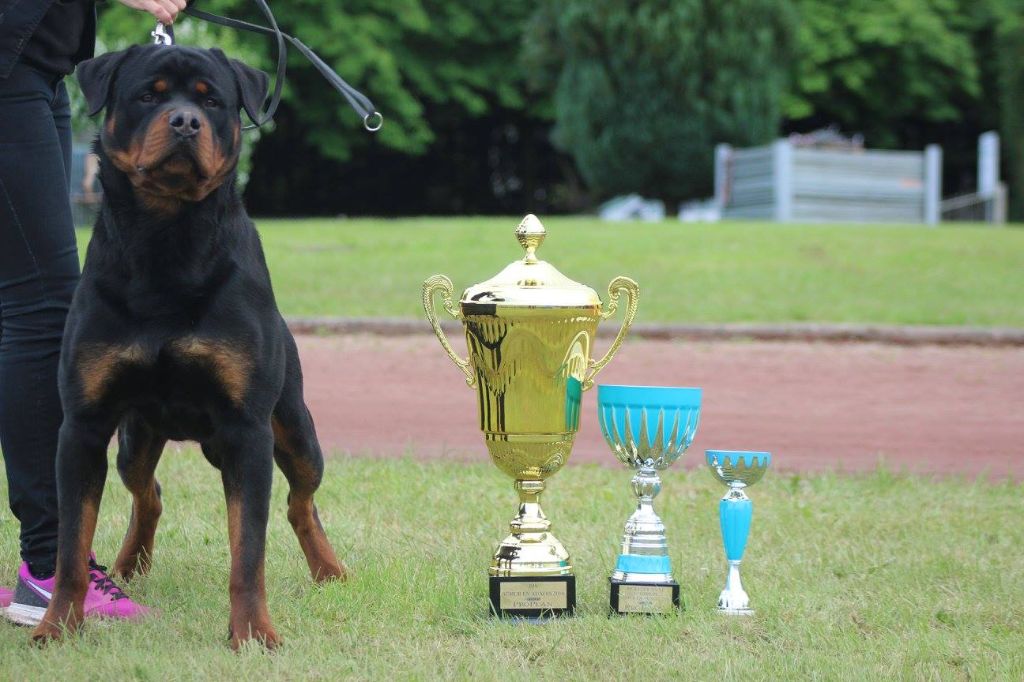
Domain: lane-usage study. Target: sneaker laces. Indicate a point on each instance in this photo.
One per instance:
(103, 582)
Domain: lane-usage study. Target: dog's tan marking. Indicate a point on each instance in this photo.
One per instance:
(98, 364)
(202, 88)
(157, 140)
(111, 123)
(208, 154)
(214, 162)
(323, 563)
(303, 480)
(249, 617)
(231, 366)
(154, 203)
(121, 158)
(282, 439)
(160, 86)
(234, 524)
(86, 531)
(137, 547)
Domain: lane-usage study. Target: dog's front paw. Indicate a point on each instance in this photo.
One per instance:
(264, 634)
(45, 633)
(52, 628)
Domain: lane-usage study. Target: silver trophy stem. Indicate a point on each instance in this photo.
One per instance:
(645, 533)
(734, 600)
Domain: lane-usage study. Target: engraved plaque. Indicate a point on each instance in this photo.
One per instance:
(535, 595)
(645, 598)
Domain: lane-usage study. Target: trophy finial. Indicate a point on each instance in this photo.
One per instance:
(530, 234)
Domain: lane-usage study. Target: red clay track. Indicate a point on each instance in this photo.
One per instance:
(814, 406)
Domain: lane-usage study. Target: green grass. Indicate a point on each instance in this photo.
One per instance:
(729, 272)
(868, 577)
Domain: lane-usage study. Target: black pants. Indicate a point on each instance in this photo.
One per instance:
(38, 274)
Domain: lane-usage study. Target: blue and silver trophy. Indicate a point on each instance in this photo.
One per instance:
(648, 427)
(737, 469)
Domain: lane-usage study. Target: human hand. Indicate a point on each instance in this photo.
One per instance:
(165, 11)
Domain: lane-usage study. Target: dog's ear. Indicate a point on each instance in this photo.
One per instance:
(252, 84)
(95, 76)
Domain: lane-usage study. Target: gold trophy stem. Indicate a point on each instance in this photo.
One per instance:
(531, 517)
(530, 549)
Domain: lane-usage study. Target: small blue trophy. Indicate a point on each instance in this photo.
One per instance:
(648, 427)
(737, 469)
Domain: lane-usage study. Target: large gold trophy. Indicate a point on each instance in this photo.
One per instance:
(530, 332)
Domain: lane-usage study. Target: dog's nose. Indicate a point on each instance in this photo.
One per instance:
(185, 122)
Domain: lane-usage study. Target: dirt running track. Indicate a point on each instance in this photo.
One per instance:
(814, 406)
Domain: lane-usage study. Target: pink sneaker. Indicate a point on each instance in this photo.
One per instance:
(103, 600)
(5, 597)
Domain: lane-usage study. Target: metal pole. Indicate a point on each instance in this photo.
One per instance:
(932, 184)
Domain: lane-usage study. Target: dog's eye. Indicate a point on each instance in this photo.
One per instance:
(147, 97)
(210, 103)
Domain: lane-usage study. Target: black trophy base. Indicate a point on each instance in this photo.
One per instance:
(646, 598)
(533, 597)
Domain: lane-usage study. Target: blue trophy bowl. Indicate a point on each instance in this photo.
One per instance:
(738, 467)
(648, 426)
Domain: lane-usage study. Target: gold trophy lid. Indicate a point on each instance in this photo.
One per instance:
(530, 282)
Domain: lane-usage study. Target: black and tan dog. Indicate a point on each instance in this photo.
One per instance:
(174, 333)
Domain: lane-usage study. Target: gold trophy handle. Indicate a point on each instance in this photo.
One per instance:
(444, 285)
(617, 285)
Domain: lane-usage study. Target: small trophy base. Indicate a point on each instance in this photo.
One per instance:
(535, 598)
(646, 598)
(735, 612)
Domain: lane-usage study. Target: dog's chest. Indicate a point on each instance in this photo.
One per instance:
(190, 368)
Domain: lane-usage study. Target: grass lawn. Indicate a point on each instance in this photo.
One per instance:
(874, 577)
(729, 272)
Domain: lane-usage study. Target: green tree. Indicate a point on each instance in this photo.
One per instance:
(1010, 40)
(881, 66)
(642, 91)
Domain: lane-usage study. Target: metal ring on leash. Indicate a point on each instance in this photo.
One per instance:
(378, 121)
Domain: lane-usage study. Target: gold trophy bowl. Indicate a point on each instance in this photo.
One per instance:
(530, 333)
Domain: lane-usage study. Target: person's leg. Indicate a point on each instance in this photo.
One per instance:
(61, 109)
(38, 273)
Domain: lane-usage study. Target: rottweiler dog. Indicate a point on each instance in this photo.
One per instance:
(174, 333)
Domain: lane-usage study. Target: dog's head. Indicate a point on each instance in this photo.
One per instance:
(173, 122)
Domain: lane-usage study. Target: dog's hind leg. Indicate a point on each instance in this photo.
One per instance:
(298, 455)
(139, 452)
